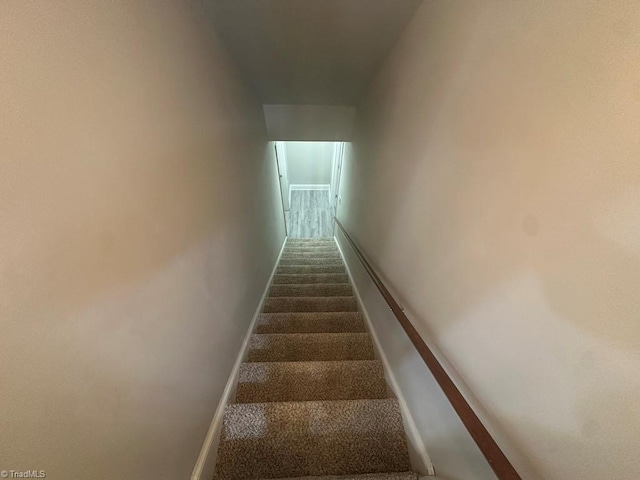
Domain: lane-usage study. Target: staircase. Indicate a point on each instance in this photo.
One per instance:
(311, 398)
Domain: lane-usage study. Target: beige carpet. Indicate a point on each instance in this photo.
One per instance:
(312, 400)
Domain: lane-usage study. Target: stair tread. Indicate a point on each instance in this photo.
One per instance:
(294, 439)
(310, 322)
(312, 252)
(312, 290)
(307, 260)
(311, 249)
(309, 278)
(315, 252)
(306, 269)
(311, 240)
(296, 347)
(302, 381)
(310, 304)
(362, 476)
(322, 241)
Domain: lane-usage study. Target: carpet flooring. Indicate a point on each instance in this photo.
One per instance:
(312, 402)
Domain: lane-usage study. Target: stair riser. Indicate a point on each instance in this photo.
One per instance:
(327, 257)
(328, 322)
(308, 241)
(304, 381)
(318, 290)
(280, 279)
(310, 304)
(303, 250)
(295, 439)
(312, 247)
(310, 269)
(310, 347)
(311, 261)
(309, 247)
(365, 476)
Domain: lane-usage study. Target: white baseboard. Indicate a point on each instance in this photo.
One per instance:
(206, 463)
(420, 460)
(304, 186)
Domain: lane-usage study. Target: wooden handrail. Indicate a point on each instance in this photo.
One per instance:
(487, 445)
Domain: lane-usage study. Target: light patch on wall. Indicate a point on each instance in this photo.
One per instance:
(497, 334)
(619, 222)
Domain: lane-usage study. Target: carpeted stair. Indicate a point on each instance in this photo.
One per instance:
(312, 402)
(310, 304)
(310, 322)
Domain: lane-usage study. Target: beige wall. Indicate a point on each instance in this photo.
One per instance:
(140, 222)
(494, 180)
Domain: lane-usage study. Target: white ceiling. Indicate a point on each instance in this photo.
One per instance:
(319, 52)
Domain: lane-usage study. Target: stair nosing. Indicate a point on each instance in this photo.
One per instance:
(314, 333)
(377, 400)
(332, 296)
(314, 284)
(310, 313)
(316, 361)
(313, 264)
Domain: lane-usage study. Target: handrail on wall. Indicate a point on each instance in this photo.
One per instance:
(487, 445)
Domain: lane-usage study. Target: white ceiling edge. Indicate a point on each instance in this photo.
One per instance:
(320, 123)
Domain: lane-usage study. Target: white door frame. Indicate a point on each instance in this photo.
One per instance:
(336, 172)
(281, 155)
(283, 182)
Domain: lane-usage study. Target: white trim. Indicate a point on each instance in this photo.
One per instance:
(206, 463)
(334, 169)
(281, 158)
(304, 186)
(335, 178)
(282, 150)
(421, 462)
